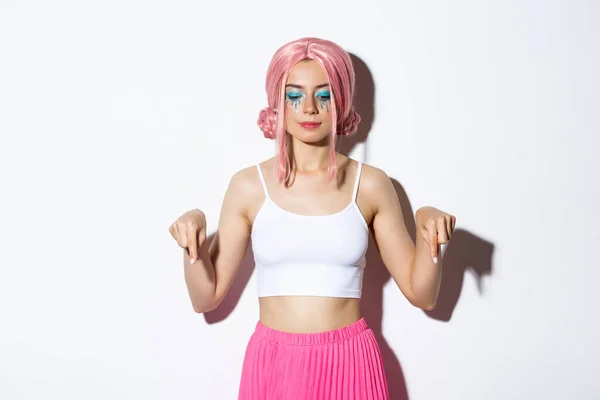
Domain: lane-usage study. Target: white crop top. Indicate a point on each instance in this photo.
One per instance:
(309, 255)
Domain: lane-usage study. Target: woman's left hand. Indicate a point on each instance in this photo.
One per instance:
(435, 227)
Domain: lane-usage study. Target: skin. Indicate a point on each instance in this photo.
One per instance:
(209, 272)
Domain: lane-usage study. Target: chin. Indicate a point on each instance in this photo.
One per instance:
(312, 137)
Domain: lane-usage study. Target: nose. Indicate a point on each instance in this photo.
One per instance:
(310, 107)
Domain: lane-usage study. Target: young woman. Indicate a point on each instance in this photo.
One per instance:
(309, 211)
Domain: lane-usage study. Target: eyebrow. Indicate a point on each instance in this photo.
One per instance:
(302, 87)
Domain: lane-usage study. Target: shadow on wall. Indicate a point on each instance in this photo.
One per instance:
(465, 252)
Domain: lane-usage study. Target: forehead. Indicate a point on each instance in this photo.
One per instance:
(307, 73)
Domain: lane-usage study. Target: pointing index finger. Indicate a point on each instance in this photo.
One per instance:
(433, 242)
(192, 245)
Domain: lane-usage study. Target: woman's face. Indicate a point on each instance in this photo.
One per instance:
(308, 100)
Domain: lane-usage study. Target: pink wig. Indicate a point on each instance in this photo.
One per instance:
(339, 70)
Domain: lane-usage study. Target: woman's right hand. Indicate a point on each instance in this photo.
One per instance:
(190, 232)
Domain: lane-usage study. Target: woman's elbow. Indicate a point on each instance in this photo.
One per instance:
(428, 307)
(206, 306)
(424, 305)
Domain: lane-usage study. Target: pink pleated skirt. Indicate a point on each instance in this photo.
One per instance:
(342, 364)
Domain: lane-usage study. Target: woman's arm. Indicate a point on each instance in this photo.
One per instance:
(411, 266)
(209, 278)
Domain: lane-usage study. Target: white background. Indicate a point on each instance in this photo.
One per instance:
(118, 116)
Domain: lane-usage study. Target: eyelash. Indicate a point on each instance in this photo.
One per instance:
(292, 97)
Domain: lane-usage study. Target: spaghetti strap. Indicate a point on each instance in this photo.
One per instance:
(262, 180)
(358, 170)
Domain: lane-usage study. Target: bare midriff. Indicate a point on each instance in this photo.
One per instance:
(308, 314)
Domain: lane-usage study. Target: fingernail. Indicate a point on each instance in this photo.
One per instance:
(435, 260)
(192, 260)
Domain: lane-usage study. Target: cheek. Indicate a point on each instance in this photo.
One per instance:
(324, 106)
(292, 107)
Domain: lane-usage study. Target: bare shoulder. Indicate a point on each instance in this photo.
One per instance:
(245, 189)
(375, 186)
(373, 180)
(245, 182)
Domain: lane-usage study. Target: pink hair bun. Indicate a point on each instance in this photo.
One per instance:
(350, 125)
(266, 122)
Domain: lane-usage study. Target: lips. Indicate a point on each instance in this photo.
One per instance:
(310, 125)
